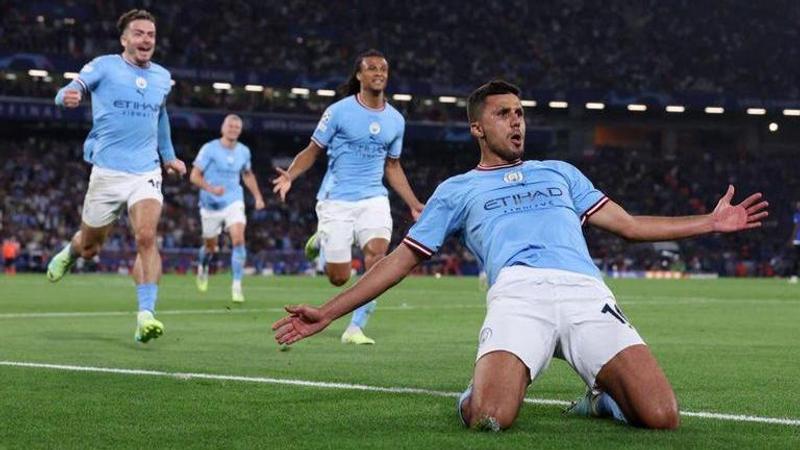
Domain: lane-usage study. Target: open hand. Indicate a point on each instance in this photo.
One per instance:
(744, 216)
(282, 183)
(303, 321)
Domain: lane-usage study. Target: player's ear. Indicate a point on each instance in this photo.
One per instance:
(476, 130)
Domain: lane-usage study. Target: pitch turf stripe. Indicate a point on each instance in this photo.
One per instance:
(388, 307)
(356, 387)
(45, 315)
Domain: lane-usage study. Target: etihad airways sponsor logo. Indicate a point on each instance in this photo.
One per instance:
(522, 198)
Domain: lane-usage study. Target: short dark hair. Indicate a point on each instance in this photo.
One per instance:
(130, 16)
(478, 97)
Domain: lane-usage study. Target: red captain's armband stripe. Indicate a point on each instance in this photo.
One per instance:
(313, 139)
(417, 247)
(85, 88)
(596, 207)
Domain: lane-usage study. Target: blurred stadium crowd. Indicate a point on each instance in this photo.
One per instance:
(46, 181)
(647, 46)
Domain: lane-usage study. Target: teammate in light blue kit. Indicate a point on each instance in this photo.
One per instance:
(128, 144)
(363, 135)
(217, 169)
(523, 221)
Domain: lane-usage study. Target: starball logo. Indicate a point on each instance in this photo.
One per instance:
(522, 199)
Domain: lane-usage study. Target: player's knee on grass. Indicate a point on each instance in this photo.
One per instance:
(661, 416)
(488, 415)
(640, 388)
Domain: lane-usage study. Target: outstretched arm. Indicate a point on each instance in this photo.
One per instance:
(725, 218)
(302, 162)
(304, 320)
(398, 181)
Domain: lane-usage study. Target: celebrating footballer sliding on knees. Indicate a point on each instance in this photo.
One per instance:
(522, 220)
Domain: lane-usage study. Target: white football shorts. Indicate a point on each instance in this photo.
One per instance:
(111, 190)
(341, 223)
(214, 221)
(536, 314)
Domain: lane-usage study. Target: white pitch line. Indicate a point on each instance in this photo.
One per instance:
(738, 418)
(356, 387)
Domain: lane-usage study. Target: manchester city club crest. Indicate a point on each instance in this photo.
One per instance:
(513, 177)
(141, 83)
(230, 159)
(374, 128)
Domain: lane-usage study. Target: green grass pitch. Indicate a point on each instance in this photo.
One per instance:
(728, 346)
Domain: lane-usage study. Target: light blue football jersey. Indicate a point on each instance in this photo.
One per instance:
(527, 213)
(358, 141)
(222, 166)
(130, 126)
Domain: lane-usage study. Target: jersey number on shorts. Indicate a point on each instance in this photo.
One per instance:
(156, 184)
(616, 312)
